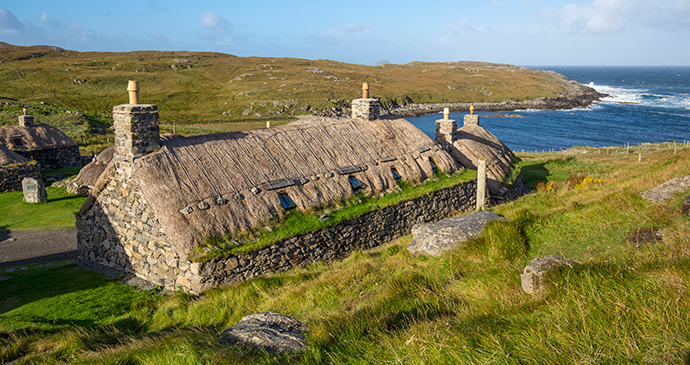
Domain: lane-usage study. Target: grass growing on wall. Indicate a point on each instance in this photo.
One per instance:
(627, 303)
(297, 223)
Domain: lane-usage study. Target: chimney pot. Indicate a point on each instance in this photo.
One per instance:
(133, 88)
(446, 113)
(365, 90)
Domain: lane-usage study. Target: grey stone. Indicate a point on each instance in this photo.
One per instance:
(535, 277)
(273, 332)
(34, 190)
(667, 190)
(434, 238)
(686, 206)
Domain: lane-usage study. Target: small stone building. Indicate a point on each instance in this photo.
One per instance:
(13, 169)
(45, 144)
(158, 200)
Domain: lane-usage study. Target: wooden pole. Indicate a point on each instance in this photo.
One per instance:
(481, 184)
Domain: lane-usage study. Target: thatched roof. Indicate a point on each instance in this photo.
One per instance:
(473, 142)
(39, 136)
(90, 173)
(8, 157)
(225, 168)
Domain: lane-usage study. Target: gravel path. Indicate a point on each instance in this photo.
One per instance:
(37, 245)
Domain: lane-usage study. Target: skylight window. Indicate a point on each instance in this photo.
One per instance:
(396, 175)
(286, 202)
(17, 142)
(433, 165)
(356, 184)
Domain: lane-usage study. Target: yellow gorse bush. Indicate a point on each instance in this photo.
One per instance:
(587, 181)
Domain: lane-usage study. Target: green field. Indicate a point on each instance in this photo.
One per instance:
(628, 302)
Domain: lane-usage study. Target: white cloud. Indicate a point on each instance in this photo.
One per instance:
(351, 28)
(215, 22)
(49, 20)
(9, 24)
(461, 26)
(613, 16)
(215, 29)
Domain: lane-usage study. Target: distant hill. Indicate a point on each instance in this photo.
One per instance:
(206, 86)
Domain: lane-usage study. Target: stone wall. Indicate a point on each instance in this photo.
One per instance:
(120, 233)
(55, 158)
(11, 177)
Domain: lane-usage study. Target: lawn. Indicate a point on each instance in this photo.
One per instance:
(56, 213)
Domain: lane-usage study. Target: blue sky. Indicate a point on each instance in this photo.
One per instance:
(521, 32)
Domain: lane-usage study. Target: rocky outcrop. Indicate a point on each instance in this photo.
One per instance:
(434, 238)
(667, 190)
(270, 331)
(575, 95)
(540, 273)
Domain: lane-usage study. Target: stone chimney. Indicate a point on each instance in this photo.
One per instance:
(470, 119)
(366, 108)
(26, 120)
(445, 130)
(137, 132)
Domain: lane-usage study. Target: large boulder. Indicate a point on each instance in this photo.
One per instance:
(667, 190)
(434, 238)
(273, 332)
(539, 273)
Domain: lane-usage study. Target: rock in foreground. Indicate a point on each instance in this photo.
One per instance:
(434, 238)
(667, 190)
(273, 332)
(536, 276)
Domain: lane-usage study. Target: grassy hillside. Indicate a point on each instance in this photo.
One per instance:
(626, 303)
(204, 86)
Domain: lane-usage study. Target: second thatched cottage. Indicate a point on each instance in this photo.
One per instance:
(45, 144)
(158, 200)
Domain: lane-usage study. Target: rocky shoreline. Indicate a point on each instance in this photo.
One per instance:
(576, 95)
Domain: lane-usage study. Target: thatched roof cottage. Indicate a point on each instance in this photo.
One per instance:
(158, 200)
(45, 144)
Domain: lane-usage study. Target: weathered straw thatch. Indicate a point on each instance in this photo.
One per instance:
(473, 142)
(39, 136)
(225, 168)
(90, 173)
(8, 157)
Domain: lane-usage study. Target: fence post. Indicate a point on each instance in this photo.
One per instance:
(481, 183)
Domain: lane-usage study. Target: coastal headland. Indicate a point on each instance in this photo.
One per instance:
(207, 87)
(576, 95)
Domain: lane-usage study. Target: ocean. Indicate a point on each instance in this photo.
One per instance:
(646, 104)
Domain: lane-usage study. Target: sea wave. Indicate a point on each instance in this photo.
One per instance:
(624, 95)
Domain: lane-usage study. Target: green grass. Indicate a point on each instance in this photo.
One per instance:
(626, 303)
(297, 223)
(56, 213)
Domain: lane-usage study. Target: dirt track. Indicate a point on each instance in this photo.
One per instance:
(38, 245)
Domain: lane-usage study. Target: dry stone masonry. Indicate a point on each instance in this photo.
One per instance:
(366, 108)
(136, 133)
(11, 177)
